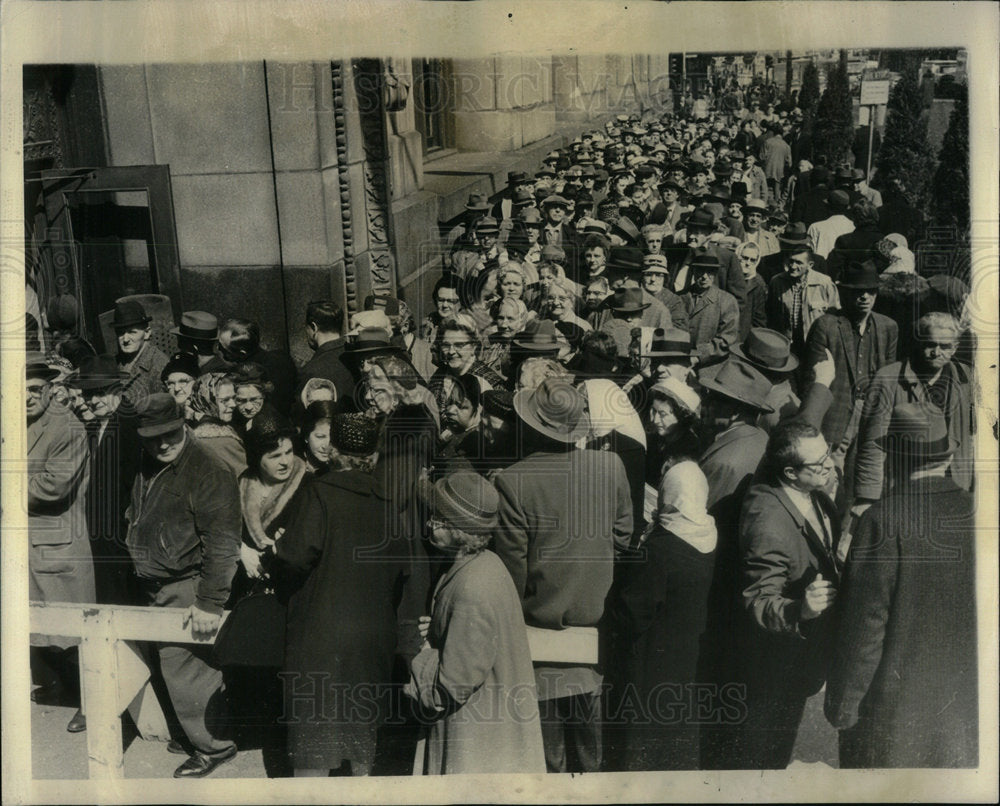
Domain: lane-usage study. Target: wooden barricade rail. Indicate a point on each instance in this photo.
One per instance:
(114, 676)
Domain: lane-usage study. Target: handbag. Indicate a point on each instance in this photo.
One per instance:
(254, 632)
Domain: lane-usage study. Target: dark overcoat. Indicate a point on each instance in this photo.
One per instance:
(334, 567)
(903, 684)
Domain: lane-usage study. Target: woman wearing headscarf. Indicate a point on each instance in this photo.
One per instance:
(341, 579)
(212, 402)
(314, 433)
(615, 426)
(902, 292)
(660, 610)
(473, 677)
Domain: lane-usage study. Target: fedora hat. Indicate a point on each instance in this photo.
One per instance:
(669, 342)
(197, 325)
(477, 201)
(625, 259)
(35, 366)
(920, 431)
(97, 372)
(466, 501)
(755, 204)
(129, 313)
(159, 414)
(530, 217)
(542, 339)
(859, 275)
(723, 168)
(556, 409)
(795, 236)
(627, 300)
(368, 343)
(518, 178)
(720, 194)
(738, 381)
(767, 349)
(839, 201)
(700, 219)
(487, 224)
(704, 262)
(625, 228)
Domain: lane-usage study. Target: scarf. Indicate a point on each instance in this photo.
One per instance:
(262, 503)
(681, 506)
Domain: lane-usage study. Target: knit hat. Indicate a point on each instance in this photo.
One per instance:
(354, 434)
(180, 362)
(499, 403)
(466, 501)
(267, 428)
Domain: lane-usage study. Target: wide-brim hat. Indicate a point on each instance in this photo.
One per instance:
(97, 372)
(530, 217)
(767, 349)
(35, 366)
(756, 204)
(722, 169)
(555, 200)
(368, 343)
(159, 414)
(129, 313)
(197, 326)
(918, 431)
(738, 381)
(625, 228)
(477, 201)
(795, 236)
(669, 342)
(859, 275)
(518, 178)
(556, 409)
(627, 300)
(700, 219)
(487, 224)
(541, 339)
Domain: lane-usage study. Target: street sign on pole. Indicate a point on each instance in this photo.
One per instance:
(874, 93)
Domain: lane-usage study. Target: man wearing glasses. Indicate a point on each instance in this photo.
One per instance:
(789, 575)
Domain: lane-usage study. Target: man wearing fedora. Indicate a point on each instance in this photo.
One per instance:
(654, 282)
(60, 564)
(770, 353)
(754, 215)
(668, 212)
(812, 205)
(198, 334)
(789, 574)
(754, 176)
(860, 183)
(462, 234)
(483, 255)
(503, 209)
(564, 512)
(931, 379)
(557, 232)
(627, 308)
(859, 243)
(903, 684)
(184, 538)
(713, 314)
(324, 334)
(115, 453)
(138, 357)
(823, 234)
(799, 295)
(734, 395)
(861, 343)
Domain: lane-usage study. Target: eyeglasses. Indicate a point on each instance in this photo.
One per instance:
(448, 299)
(454, 345)
(818, 466)
(36, 391)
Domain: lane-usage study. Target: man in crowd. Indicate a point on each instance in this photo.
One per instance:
(324, 329)
(564, 512)
(138, 357)
(198, 334)
(184, 538)
(824, 233)
(798, 296)
(713, 314)
(60, 564)
(789, 576)
(902, 689)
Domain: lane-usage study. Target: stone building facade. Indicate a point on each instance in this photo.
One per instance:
(251, 188)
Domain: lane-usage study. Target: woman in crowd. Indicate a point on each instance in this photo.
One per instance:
(458, 347)
(560, 304)
(473, 678)
(661, 607)
(461, 440)
(213, 401)
(270, 490)
(479, 293)
(336, 570)
(674, 427)
(509, 318)
(178, 378)
(253, 395)
(315, 434)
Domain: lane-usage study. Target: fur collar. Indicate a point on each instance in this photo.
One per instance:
(262, 503)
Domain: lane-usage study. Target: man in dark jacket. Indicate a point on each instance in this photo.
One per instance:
(812, 206)
(789, 576)
(903, 684)
(856, 245)
(324, 326)
(184, 538)
(564, 513)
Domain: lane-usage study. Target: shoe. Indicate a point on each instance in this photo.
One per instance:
(78, 723)
(178, 749)
(54, 694)
(200, 765)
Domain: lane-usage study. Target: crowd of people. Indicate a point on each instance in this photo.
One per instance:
(684, 437)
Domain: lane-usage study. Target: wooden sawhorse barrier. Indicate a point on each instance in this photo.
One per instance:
(114, 676)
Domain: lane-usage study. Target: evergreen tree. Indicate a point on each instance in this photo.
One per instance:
(906, 155)
(809, 94)
(950, 200)
(833, 134)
